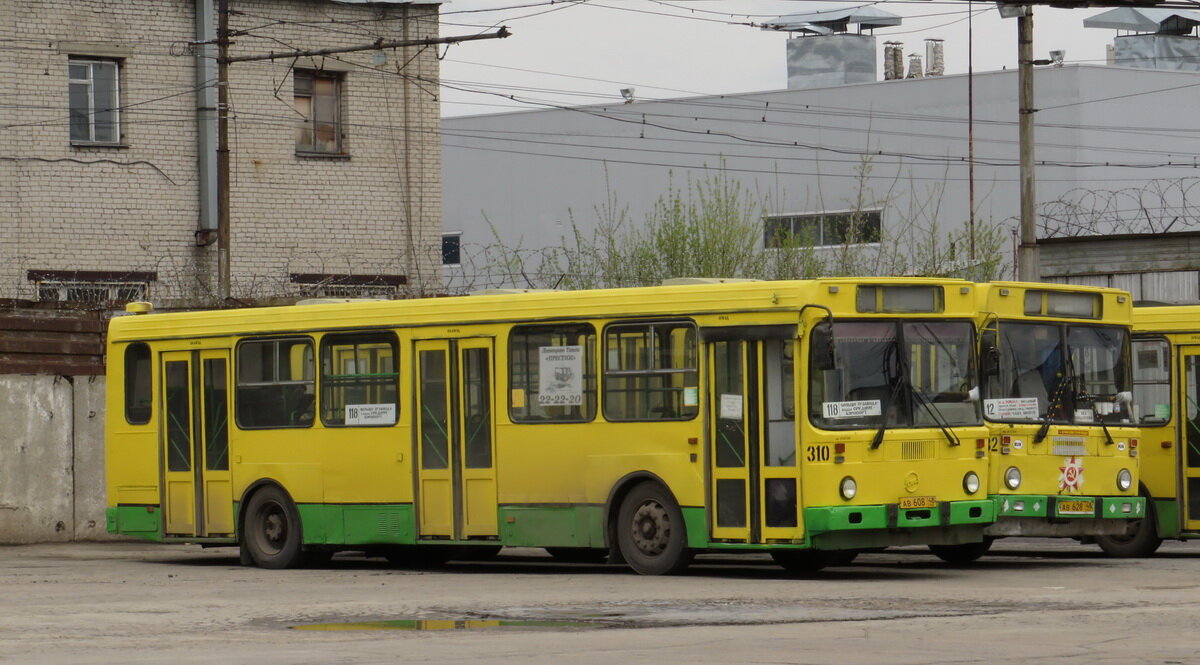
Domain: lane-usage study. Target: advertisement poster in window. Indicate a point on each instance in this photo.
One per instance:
(560, 375)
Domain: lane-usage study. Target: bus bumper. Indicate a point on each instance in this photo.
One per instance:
(1064, 516)
(950, 522)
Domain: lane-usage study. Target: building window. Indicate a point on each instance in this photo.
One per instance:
(95, 98)
(96, 287)
(451, 249)
(823, 229)
(323, 285)
(318, 101)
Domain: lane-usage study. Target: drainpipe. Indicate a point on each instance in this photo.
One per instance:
(206, 121)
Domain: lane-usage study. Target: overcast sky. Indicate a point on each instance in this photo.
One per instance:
(583, 52)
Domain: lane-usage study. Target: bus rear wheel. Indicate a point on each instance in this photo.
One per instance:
(963, 553)
(650, 531)
(271, 530)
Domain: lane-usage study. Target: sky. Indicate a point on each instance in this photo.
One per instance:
(576, 52)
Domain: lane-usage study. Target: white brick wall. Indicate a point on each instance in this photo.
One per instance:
(138, 210)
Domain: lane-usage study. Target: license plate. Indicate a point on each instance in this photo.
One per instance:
(1077, 507)
(918, 502)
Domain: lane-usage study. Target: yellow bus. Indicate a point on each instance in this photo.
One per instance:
(808, 419)
(1056, 384)
(1166, 364)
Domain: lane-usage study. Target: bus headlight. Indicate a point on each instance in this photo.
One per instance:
(848, 488)
(1124, 480)
(1012, 478)
(971, 482)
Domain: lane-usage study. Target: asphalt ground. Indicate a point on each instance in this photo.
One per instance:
(1027, 601)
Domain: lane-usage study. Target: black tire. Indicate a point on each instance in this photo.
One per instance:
(271, 531)
(964, 553)
(1140, 540)
(650, 531)
(418, 556)
(810, 561)
(577, 554)
(475, 552)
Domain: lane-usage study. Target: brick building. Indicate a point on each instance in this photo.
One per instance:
(107, 121)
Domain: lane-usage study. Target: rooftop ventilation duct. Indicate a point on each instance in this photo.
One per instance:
(1162, 39)
(827, 52)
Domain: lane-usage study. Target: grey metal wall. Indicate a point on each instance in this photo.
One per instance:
(51, 459)
(524, 178)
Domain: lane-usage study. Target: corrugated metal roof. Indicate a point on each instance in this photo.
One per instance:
(826, 21)
(389, 2)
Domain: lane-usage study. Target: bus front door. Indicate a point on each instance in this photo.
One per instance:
(197, 488)
(455, 431)
(1189, 438)
(755, 482)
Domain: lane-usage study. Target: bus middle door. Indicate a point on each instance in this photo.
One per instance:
(456, 472)
(752, 461)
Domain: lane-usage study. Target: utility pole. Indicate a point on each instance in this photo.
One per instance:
(223, 61)
(1027, 257)
(223, 270)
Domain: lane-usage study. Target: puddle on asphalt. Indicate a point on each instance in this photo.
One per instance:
(447, 624)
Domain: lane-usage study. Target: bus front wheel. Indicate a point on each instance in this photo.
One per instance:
(1140, 540)
(650, 531)
(271, 530)
(964, 553)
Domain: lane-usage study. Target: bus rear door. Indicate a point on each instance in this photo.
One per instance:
(197, 489)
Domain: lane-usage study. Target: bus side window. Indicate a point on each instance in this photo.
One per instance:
(552, 374)
(1152, 381)
(650, 371)
(137, 384)
(358, 380)
(275, 384)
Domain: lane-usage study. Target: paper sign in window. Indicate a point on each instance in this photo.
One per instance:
(560, 376)
(731, 407)
(370, 414)
(857, 409)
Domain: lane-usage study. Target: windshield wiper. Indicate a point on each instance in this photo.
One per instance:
(1096, 412)
(1060, 390)
(937, 416)
(877, 440)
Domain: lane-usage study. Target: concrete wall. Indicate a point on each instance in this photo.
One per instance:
(51, 459)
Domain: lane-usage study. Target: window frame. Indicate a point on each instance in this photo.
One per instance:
(1167, 357)
(591, 397)
(238, 384)
(457, 235)
(356, 338)
(773, 238)
(92, 63)
(606, 373)
(308, 123)
(133, 379)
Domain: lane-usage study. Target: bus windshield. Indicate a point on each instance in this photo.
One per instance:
(893, 374)
(1063, 373)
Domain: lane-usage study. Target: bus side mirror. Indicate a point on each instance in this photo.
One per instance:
(991, 362)
(822, 353)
